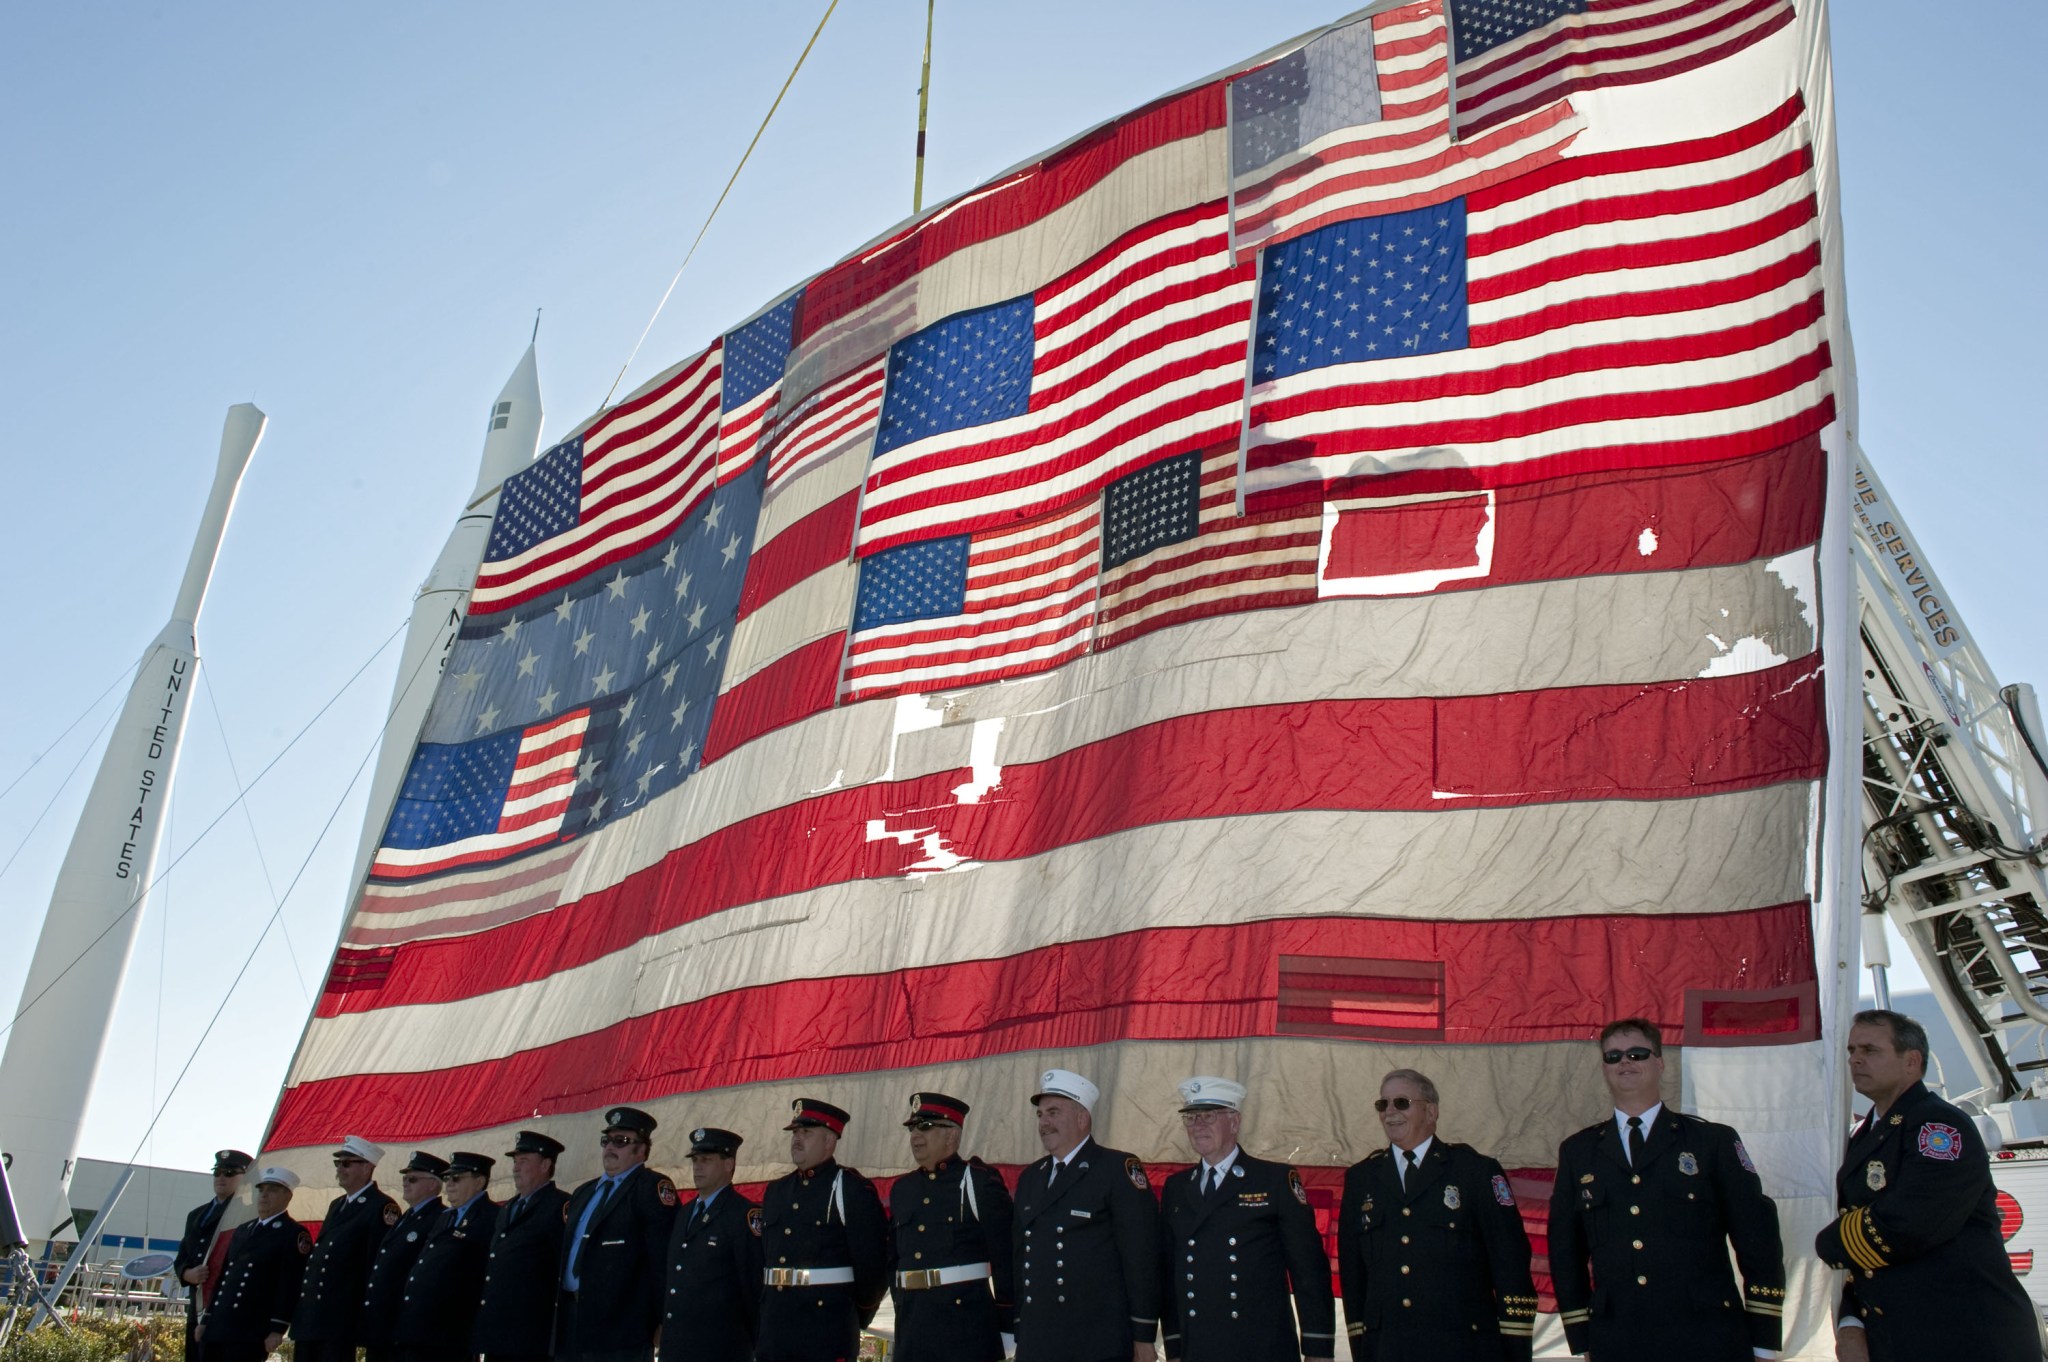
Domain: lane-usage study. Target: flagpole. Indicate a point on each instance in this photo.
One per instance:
(924, 96)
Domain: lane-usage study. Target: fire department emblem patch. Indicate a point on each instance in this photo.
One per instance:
(1742, 1157)
(1294, 1186)
(305, 1244)
(1451, 1198)
(754, 1221)
(1501, 1191)
(1135, 1171)
(1873, 1175)
(1938, 1141)
(666, 1190)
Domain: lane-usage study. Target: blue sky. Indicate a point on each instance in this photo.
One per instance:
(350, 217)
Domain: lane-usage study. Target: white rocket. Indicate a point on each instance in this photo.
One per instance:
(60, 1024)
(511, 439)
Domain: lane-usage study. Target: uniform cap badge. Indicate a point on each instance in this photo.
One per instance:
(1873, 1175)
(1687, 1164)
(1451, 1197)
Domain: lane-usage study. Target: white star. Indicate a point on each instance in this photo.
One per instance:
(676, 714)
(712, 645)
(602, 682)
(597, 808)
(646, 779)
(711, 516)
(654, 654)
(731, 549)
(617, 585)
(526, 663)
(562, 610)
(465, 682)
(668, 560)
(668, 676)
(583, 641)
(639, 621)
(626, 710)
(682, 586)
(545, 702)
(487, 720)
(696, 617)
(633, 743)
(586, 770)
(687, 755)
(510, 629)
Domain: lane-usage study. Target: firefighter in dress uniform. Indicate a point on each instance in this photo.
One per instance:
(259, 1283)
(1085, 1239)
(1919, 1228)
(438, 1310)
(951, 1223)
(191, 1263)
(1241, 1250)
(824, 1246)
(1645, 1208)
(516, 1319)
(714, 1260)
(1431, 1251)
(615, 1249)
(419, 1182)
(328, 1320)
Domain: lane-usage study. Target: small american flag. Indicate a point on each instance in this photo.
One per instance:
(1358, 121)
(463, 803)
(616, 489)
(964, 609)
(1517, 55)
(754, 358)
(839, 414)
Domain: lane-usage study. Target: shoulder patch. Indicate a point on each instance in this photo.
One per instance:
(1742, 1157)
(1294, 1186)
(305, 1243)
(665, 1190)
(1135, 1171)
(391, 1214)
(754, 1220)
(1501, 1191)
(1941, 1141)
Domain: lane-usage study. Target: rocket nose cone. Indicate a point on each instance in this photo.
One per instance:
(512, 434)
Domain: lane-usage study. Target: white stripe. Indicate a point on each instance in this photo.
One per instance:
(1612, 857)
(1476, 96)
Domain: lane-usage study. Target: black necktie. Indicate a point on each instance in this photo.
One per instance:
(512, 1216)
(1210, 1177)
(1408, 1172)
(1635, 1141)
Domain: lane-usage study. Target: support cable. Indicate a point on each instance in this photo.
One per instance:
(37, 759)
(721, 202)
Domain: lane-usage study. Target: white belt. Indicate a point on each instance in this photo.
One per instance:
(927, 1277)
(807, 1276)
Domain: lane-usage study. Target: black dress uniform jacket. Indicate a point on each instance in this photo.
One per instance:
(378, 1331)
(1229, 1259)
(1087, 1258)
(621, 1269)
(331, 1296)
(259, 1288)
(953, 1215)
(200, 1224)
(1919, 1233)
(522, 1277)
(1439, 1268)
(827, 1216)
(438, 1309)
(713, 1305)
(1639, 1256)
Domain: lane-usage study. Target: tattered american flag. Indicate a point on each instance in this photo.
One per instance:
(1286, 585)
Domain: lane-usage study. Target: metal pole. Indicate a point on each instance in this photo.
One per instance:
(924, 97)
(48, 1304)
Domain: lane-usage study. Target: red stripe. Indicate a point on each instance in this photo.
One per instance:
(812, 544)
(794, 686)
(1645, 455)
(392, 870)
(1678, 739)
(1005, 206)
(1505, 982)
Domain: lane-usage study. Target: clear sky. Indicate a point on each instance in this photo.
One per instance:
(349, 218)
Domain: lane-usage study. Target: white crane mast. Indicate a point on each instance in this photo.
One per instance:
(1955, 818)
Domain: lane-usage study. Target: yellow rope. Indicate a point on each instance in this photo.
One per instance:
(721, 200)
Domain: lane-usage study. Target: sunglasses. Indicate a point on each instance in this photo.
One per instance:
(929, 1125)
(1634, 1053)
(349, 1162)
(618, 1141)
(1397, 1103)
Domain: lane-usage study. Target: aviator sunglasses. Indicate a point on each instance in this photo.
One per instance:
(1637, 1053)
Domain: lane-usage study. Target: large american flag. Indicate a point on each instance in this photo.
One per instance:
(1051, 636)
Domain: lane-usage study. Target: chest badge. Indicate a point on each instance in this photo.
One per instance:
(412, 1236)
(1688, 1165)
(1452, 1200)
(1873, 1175)
(1585, 1177)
